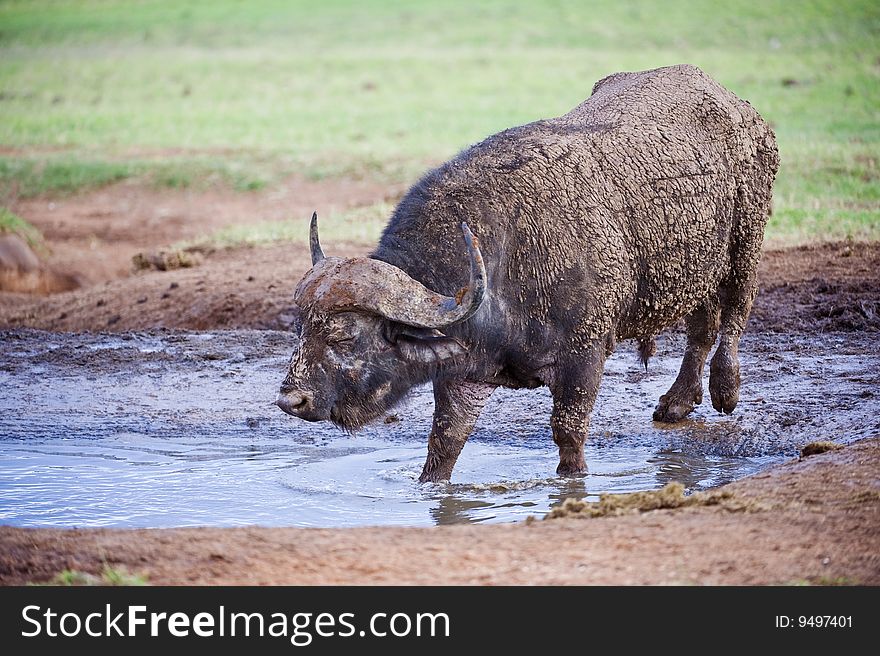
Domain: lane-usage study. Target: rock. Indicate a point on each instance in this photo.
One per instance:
(16, 255)
(22, 271)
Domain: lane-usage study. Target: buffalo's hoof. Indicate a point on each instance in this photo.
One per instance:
(571, 469)
(724, 399)
(672, 409)
(434, 476)
(724, 384)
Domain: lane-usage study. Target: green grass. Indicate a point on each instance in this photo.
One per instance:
(360, 225)
(22, 177)
(108, 576)
(385, 88)
(824, 581)
(25, 178)
(14, 224)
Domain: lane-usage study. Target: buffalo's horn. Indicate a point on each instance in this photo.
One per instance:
(361, 283)
(467, 301)
(317, 253)
(428, 309)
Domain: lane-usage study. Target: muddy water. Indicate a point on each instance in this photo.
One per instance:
(178, 429)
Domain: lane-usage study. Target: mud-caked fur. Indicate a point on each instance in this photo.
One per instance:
(644, 205)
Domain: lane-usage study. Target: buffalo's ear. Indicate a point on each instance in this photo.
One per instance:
(294, 318)
(424, 345)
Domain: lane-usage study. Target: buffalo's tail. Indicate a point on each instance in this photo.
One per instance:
(647, 348)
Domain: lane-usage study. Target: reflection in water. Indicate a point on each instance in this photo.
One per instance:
(452, 509)
(677, 467)
(463, 503)
(574, 488)
(694, 471)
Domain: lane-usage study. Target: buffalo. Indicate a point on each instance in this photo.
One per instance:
(523, 261)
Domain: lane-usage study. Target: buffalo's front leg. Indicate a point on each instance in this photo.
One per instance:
(574, 387)
(457, 404)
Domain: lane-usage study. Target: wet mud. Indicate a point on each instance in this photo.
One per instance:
(160, 429)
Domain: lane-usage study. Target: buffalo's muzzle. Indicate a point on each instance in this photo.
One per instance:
(298, 404)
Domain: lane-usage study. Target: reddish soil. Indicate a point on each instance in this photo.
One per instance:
(819, 288)
(811, 521)
(241, 288)
(93, 237)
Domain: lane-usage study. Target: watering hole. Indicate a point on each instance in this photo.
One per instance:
(178, 429)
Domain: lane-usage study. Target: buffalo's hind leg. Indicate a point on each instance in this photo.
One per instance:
(687, 390)
(736, 301)
(724, 376)
(457, 405)
(736, 294)
(574, 387)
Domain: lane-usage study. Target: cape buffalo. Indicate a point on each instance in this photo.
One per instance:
(644, 205)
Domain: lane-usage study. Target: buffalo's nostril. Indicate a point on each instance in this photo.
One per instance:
(294, 402)
(298, 401)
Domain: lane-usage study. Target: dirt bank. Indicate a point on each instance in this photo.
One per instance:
(819, 288)
(91, 237)
(811, 521)
(825, 288)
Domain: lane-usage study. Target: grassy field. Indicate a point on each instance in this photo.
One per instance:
(246, 93)
(361, 225)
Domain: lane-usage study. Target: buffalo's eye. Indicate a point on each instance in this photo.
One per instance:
(388, 333)
(333, 341)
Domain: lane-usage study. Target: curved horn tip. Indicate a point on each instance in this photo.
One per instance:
(314, 242)
(470, 238)
(476, 287)
(466, 230)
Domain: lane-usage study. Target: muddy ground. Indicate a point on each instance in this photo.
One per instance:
(171, 429)
(813, 521)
